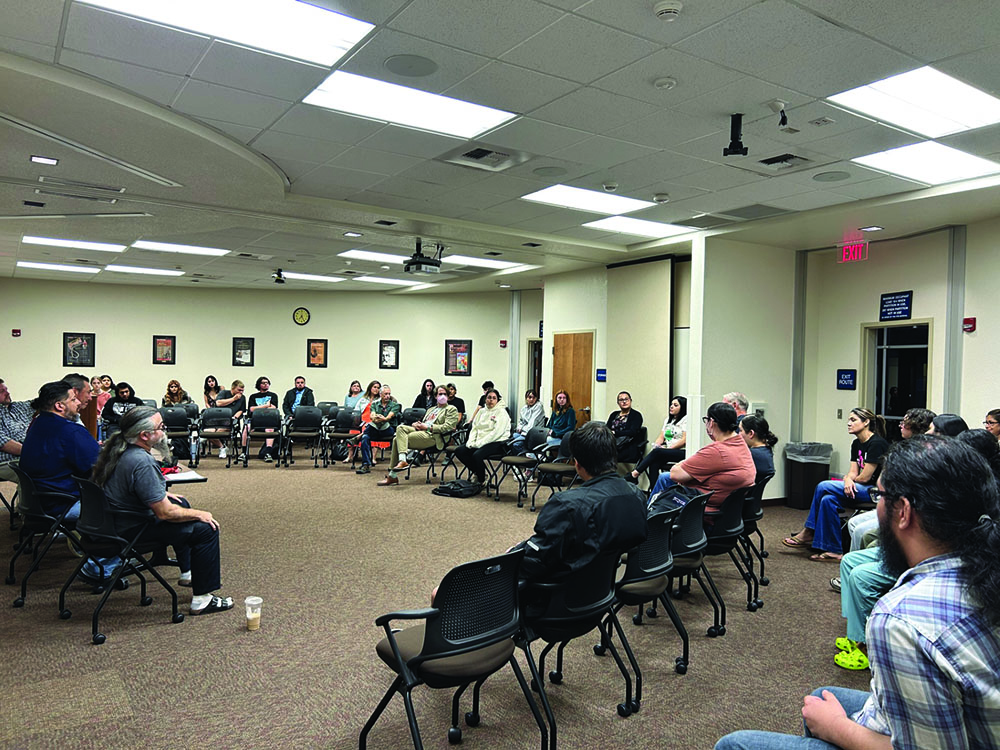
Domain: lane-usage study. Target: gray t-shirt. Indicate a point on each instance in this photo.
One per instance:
(136, 483)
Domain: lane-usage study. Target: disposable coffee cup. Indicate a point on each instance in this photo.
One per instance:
(253, 605)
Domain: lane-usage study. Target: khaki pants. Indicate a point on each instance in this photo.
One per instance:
(407, 438)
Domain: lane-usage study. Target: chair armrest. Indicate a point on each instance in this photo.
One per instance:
(406, 614)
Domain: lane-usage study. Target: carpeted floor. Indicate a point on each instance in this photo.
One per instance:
(329, 551)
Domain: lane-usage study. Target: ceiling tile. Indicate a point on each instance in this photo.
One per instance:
(373, 11)
(983, 142)
(603, 152)
(328, 181)
(152, 84)
(471, 200)
(594, 110)
(371, 160)
(665, 165)
(453, 64)
(242, 133)
(694, 77)
(229, 105)
(33, 22)
(746, 95)
(800, 118)
(250, 70)
(487, 27)
(287, 146)
(868, 139)
(638, 18)
(408, 187)
(510, 88)
(663, 129)
(529, 169)
(511, 212)
(416, 143)
(534, 136)
(28, 49)
(977, 68)
(507, 186)
(720, 178)
(440, 173)
(105, 34)
(877, 187)
(578, 49)
(315, 122)
(808, 200)
(558, 220)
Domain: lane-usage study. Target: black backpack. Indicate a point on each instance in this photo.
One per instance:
(458, 488)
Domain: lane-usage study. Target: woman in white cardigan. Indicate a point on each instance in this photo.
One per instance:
(532, 415)
(489, 431)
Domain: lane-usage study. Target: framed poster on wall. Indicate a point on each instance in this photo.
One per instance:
(458, 357)
(78, 349)
(242, 352)
(164, 350)
(388, 354)
(316, 350)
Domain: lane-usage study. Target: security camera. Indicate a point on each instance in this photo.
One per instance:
(610, 187)
(661, 198)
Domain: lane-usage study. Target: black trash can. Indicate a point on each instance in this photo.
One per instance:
(806, 465)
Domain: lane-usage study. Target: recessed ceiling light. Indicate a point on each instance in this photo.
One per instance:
(872, 228)
(467, 260)
(929, 162)
(390, 102)
(373, 256)
(411, 66)
(832, 176)
(286, 27)
(380, 280)
(55, 267)
(504, 286)
(549, 171)
(517, 269)
(353, 234)
(75, 244)
(586, 200)
(166, 247)
(33, 204)
(310, 277)
(146, 271)
(48, 160)
(925, 101)
(639, 227)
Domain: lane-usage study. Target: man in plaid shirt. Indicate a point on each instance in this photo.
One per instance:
(15, 417)
(934, 638)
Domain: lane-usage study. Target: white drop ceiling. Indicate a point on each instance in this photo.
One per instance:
(278, 182)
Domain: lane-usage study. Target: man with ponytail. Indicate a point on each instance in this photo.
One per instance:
(934, 638)
(132, 481)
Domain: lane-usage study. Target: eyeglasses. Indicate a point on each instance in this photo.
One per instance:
(875, 495)
(624, 398)
(988, 423)
(705, 419)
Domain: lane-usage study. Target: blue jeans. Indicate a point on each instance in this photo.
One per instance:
(851, 700)
(94, 566)
(379, 436)
(863, 581)
(824, 514)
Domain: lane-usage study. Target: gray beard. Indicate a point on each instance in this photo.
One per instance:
(162, 446)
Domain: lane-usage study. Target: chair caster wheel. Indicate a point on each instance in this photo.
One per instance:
(65, 614)
(471, 719)
(637, 619)
(722, 630)
(9, 580)
(179, 617)
(145, 601)
(764, 553)
(624, 710)
(532, 509)
(600, 649)
(99, 638)
(19, 602)
(751, 606)
(555, 677)
(534, 685)
(681, 667)
(651, 612)
(765, 581)
(759, 603)
(635, 705)
(454, 736)
(520, 505)
(712, 632)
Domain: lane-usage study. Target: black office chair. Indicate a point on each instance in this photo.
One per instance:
(632, 447)
(409, 416)
(560, 611)
(11, 506)
(100, 539)
(180, 431)
(753, 512)
(148, 402)
(324, 406)
(521, 466)
(556, 465)
(217, 423)
(339, 432)
(39, 527)
(265, 424)
(466, 636)
(458, 438)
(306, 428)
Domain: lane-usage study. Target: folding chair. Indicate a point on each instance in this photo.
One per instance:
(305, 426)
(551, 472)
(522, 466)
(180, 431)
(265, 424)
(217, 423)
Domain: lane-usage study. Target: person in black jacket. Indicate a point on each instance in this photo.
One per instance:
(124, 401)
(300, 395)
(625, 424)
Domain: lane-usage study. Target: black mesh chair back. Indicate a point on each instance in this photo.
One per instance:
(217, 418)
(175, 420)
(466, 636)
(306, 419)
(331, 412)
(409, 416)
(752, 510)
(305, 426)
(265, 419)
(551, 471)
(689, 529)
(192, 411)
(727, 520)
(148, 402)
(324, 406)
(100, 533)
(521, 465)
(653, 558)
(265, 424)
(345, 420)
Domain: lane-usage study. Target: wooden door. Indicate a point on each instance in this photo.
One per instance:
(573, 371)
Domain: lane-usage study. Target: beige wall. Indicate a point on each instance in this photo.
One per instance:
(981, 359)
(840, 300)
(124, 318)
(532, 311)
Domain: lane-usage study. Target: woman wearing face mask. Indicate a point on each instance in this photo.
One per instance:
(432, 431)
(669, 445)
(562, 420)
(532, 415)
(488, 433)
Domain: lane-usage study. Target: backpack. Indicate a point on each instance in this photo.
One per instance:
(458, 488)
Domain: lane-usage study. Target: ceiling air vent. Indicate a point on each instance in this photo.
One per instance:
(252, 256)
(485, 157)
(707, 221)
(781, 162)
(76, 196)
(385, 223)
(754, 211)
(63, 182)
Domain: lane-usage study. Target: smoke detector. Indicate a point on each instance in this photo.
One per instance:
(668, 10)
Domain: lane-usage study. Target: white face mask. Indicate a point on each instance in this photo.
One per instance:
(442, 399)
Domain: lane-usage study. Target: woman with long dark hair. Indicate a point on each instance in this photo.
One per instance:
(668, 448)
(427, 398)
(562, 419)
(626, 423)
(756, 433)
(822, 527)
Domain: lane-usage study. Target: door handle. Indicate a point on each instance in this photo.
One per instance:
(586, 409)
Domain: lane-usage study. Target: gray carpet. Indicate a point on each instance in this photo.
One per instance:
(329, 551)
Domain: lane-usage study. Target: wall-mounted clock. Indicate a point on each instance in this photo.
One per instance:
(301, 315)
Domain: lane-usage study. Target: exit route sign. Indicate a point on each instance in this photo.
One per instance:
(851, 252)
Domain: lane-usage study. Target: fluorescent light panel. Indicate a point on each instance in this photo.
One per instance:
(373, 256)
(586, 200)
(517, 269)
(310, 277)
(75, 244)
(467, 260)
(56, 267)
(929, 162)
(390, 102)
(639, 227)
(47, 160)
(418, 287)
(146, 271)
(872, 228)
(285, 27)
(924, 101)
(379, 280)
(166, 247)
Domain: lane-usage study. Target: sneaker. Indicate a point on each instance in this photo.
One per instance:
(365, 469)
(222, 452)
(268, 458)
(835, 584)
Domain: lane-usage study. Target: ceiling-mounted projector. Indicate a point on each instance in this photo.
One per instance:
(420, 263)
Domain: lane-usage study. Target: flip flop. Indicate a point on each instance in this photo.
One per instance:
(855, 660)
(825, 557)
(217, 604)
(845, 644)
(791, 541)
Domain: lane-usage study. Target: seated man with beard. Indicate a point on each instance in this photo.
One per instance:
(934, 638)
(132, 481)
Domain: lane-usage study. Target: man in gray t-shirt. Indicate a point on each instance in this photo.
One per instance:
(133, 482)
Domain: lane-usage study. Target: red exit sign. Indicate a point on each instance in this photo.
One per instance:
(851, 252)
